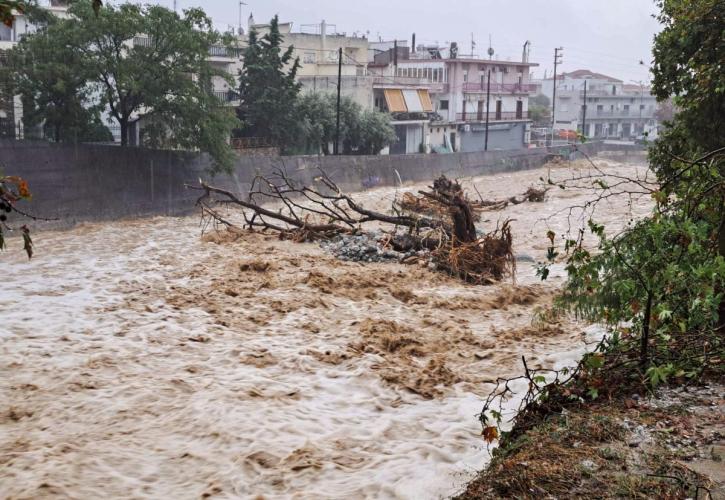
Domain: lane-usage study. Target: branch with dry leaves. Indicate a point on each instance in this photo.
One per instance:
(302, 212)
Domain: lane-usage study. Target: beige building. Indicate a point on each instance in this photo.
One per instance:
(318, 48)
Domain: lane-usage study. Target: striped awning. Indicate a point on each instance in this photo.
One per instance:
(425, 100)
(395, 101)
(408, 100)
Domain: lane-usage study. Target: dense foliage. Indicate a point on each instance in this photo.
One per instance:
(268, 88)
(540, 110)
(361, 131)
(136, 63)
(662, 279)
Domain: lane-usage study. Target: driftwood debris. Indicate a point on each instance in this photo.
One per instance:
(443, 226)
(427, 203)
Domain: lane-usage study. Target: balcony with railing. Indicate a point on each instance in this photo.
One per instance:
(142, 41)
(226, 96)
(499, 88)
(493, 116)
(224, 52)
(215, 51)
(405, 81)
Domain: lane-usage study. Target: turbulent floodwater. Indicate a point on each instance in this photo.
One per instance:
(139, 360)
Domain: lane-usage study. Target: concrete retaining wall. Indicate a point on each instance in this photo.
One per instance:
(86, 182)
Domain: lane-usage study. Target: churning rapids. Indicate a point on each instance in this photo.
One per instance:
(140, 360)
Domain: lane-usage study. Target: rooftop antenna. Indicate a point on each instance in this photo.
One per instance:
(174, 5)
(240, 30)
(490, 48)
(473, 45)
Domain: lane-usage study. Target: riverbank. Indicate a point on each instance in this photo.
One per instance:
(667, 445)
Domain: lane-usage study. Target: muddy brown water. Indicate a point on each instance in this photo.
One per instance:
(139, 360)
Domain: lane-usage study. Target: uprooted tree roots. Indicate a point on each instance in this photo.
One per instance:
(441, 222)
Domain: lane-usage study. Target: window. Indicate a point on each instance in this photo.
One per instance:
(519, 110)
(641, 107)
(465, 76)
(444, 105)
(309, 58)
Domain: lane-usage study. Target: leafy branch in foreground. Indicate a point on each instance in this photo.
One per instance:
(659, 284)
(12, 190)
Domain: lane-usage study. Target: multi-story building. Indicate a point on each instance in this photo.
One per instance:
(613, 110)
(454, 91)
(11, 109)
(318, 48)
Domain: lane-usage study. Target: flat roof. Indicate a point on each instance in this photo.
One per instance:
(468, 60)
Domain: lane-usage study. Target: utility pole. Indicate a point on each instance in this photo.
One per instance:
(584, 112)
(336, 149)
(488, 102)
(557, 61)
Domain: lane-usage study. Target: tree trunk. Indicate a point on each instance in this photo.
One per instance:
(643, 354)
(721, 251)
(464, 225)
(124, 132)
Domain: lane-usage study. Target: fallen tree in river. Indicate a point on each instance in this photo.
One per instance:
(321, 211)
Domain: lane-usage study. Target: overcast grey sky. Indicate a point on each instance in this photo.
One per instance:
(607, 36)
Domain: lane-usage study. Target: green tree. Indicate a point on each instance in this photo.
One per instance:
(316, 114)
(54, 89)
(666, 274)
(147, 63)
(361, 131)
(268, 89)
(540, 109)
(376, 132)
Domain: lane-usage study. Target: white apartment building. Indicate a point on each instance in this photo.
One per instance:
(459, 91)
(614, 110)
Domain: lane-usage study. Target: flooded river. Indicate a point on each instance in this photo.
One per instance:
(140, 360)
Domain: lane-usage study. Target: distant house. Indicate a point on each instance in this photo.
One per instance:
(614, 110)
